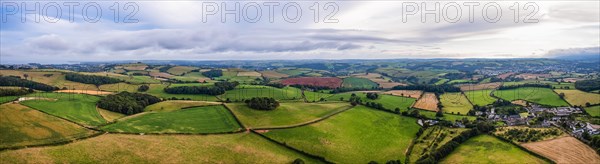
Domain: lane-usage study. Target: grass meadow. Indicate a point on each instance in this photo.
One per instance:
(488, 149)
(480, 97)
(455, 103)
(286, 114)
(577, 97)
(388, 101)
(354, 82)
(80, 108)
(543, 96)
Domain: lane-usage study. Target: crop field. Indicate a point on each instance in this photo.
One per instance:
(577, 97)
(89, 92)
(406, 93)
(119, 87)
(358, 135)
(23, 126)
(442, 81)
(480, 97)
(564, 150)
(249, 73)
(488, 149)
(179, 70)
(431, 139)
(286, 114)
(353, 82)
(120, 148)
(427, 102)
(382, 81)
(132, 67)
(273, 74)
(54, 78)
(208, 119)
(249, 91)
(455, 103)
(79, 108)
(161, 74)
(389, 102)
(331, 82)
(485, 86)
(543, 96)
(172, 105)
(193, 76)
(594, 111)
(158, 90)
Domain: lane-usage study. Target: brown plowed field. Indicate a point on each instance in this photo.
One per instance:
(405, 93)
(564, 150)
(331, 82)
(427, 102)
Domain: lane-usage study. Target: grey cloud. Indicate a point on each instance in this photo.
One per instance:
(49, 42)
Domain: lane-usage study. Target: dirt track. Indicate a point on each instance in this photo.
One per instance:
(564, 150)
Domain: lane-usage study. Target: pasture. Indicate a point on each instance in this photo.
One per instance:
(455, 103)
(331, 82)
(484, 86)
(488, 149)
(593, 111)
(577, 97)
(5, 99)
(193, 76)
(248, 91)
(120, 148)
(389, 102)
(158, 90)
(23, 126)
(208, 119)
(80, 108)
(543, 96)
(406, 93)
(180, 70)
(358, 135)
(564, 150)
(354, 82)
(427, 102)
(286, 114)
(480, 97)
(110, 116)
(172, 105)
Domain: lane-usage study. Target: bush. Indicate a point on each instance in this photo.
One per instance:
(91, 79)
(143, 88)
(372, 95)
(14, 92)
(262, 103)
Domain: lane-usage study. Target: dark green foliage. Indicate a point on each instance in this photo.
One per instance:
(164, 69)
(195, 90)
(355, 100)
(372, 95)
(262, 103)
(430, 88)
(298, 161)
(528, 135)
(14, 92)
(18, 82)
(213, 73)
(276, 85)
(143, 88)
(91, 79)
(588, 85)
(127, 103)
(227, 85)
(524, 85)
(595, 142)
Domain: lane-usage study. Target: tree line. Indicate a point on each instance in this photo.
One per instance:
(524, 85)
(262, 103)
(18, 82)
(127, 103)
(213, 73)
(91, 79)
(588, 85)
(15, 92)
(439, 89)
(218, 89)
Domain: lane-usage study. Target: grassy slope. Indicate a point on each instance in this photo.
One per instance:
(354, 82)
(577, 97)
(544, 96)
(593, 111)
(488, 149)
(388, 101)
(110, 115)
(80, 108)
(209, 119)
(480, 97)
(358, 135)
(5, 99)
(285, 114)
(249, 91)
(455, 103)
(116, 148)
(21, 126)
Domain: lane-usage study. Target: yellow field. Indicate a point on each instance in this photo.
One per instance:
(564, 150)
(406, 93)
(177, 104)
(179, 70)
(250, 73)
(116, 148)
(22, 126)
(109, 116)
(427, 102)
(577, 97)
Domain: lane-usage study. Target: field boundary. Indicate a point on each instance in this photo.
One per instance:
(562, 98)
(523, 148)
(323, 159)
(235, 118)
(304, 123)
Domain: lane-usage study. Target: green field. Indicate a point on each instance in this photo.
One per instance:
(358, 135)
(286, 114)
(192, 76)
(158, 90)
(179, 70)
(543, 96)
(480, 97)
(119, 87)
(441, 81)
(23, 126)
(5, 99)
(120, 148)
(80, 108)
(172, 105)
(208, 119)
(250, 91)
(577, 97)
(455, 103)
(388, 101)
(488, 149)
(355, 82)
(594, 111)
(293, 72)
(431, 139)
(460, 81)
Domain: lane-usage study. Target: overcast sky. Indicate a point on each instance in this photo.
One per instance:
(357, 30)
